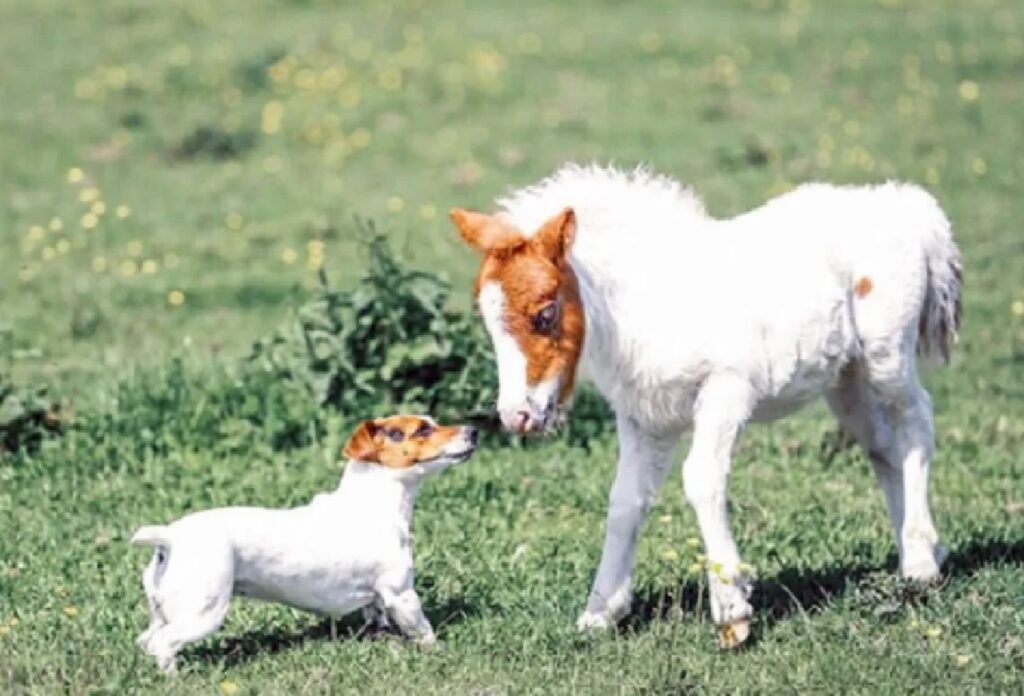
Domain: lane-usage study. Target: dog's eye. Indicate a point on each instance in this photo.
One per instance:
(424, 430)
(396, 435)
(544, 320)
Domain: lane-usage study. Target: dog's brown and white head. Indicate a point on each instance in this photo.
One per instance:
(530, 301)
(411, 443)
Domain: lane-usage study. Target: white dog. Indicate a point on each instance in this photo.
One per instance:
(345, 550)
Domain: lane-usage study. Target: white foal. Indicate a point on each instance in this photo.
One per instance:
(687, 322)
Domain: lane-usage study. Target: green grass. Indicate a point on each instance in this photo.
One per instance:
(398, 112)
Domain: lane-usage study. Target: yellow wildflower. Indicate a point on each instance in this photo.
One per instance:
(75, 175)
(360, 138)
(969, 90)
(176, 298)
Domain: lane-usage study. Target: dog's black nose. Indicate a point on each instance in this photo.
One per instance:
(472, 434)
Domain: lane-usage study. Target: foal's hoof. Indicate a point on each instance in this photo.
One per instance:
(924, 566)
(734, 634)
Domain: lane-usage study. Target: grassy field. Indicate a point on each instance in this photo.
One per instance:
(175, 174)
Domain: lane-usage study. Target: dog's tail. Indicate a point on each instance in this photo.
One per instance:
(152, 535)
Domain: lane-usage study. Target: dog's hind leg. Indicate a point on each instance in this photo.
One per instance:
(194, 595)
(150, 580)
(172, 637)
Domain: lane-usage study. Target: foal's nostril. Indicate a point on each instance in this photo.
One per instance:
(522, 419)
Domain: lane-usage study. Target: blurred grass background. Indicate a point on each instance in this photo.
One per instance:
(223, 148)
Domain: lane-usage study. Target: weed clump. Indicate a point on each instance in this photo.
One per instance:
(27, 417)
(390, 344)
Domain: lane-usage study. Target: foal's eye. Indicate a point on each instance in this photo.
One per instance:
(396, 435)
(424, 430)
(544, 320)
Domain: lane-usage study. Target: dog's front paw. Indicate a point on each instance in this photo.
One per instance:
(427, 642)
(595, 621)
(733, 634)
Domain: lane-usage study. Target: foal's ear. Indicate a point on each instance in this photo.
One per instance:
(485, 232)
(554, 239)
(361, 447)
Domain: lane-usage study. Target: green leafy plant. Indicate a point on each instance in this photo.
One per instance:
(389, 344)
(28, 416)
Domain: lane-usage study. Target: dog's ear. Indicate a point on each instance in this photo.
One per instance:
(486, 233)
(361, 447)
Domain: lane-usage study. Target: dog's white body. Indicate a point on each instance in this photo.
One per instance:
(693, 322)
(345, 550)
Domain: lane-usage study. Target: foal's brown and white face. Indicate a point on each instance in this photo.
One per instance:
(530, 302)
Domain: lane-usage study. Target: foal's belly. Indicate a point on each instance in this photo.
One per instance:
(777, 407)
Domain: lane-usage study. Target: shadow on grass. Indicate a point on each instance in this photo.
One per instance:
(875, 588)
(236, 650)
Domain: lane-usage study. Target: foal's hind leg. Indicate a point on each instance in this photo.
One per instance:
(892, 421)
(910, 414)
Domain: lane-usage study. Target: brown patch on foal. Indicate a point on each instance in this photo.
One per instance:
(543, 311)
(399, 442)
(863, 287)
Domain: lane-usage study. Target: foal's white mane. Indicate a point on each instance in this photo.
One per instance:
(607, 194)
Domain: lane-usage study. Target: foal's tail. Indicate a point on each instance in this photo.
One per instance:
(939, 323)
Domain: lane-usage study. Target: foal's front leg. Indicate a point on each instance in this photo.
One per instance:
(723, 406)
(643, 462)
